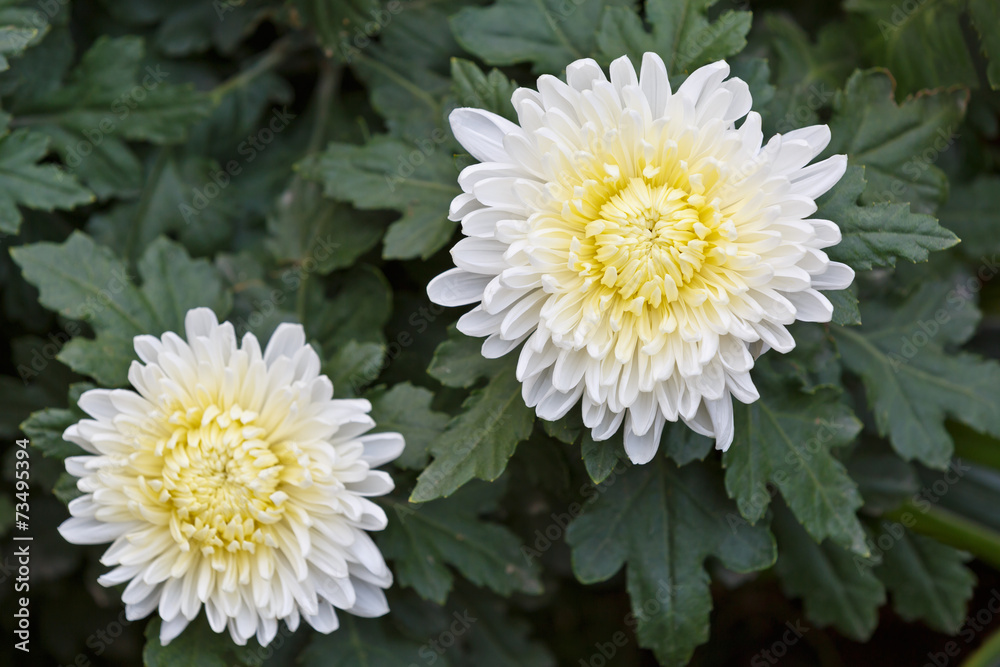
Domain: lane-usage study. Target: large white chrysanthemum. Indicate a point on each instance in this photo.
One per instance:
(232, 479)
(642, 246)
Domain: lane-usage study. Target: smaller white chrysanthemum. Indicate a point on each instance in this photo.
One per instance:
(640, 245)
(232, 479)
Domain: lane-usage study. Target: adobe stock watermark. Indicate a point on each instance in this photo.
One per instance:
(641, 611)
(901, 12)
(100, 640)
(555, 531)
(779, 649)
(249, 148)
(432, 651)
(409, 162)
(974, 625)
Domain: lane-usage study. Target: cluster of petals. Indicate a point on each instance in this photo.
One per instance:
(638, 246)
(230, 479)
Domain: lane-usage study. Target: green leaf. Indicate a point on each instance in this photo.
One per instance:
(186, 27)
(480, 440)
(348, 327)
(306, 228)
(806, 74)
(407, 410)
(418, 181)
(426, 539)
(897, 144)
(681, 33)
(837, 587)
(173, 284)
(354, 366)
(566, 429)
(664, 523)
(85, 281)
(928, 580)
(972, 213)
(65, 489)
(20, 28)
(472, 88)
(986, 17)
(358, 311)
(167, 204)
(339, 26)
(547, 33)
(499, 639)
(406, 72)
(874, 235)
(684, 445)
(106, 100)
(912, 382)
(362, 642)
(786, 438)
(45, 427)
(845, 307)
(910, 33)
(884, 480)
(196, 646)
(459, 361)
(601, 458)
(814, 363)
(25, 182)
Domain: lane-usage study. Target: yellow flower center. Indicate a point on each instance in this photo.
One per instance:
(221, 480)
(635, 245)
(649, 241)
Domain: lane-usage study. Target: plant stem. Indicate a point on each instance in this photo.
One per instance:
(987, 655)
(271, 59)
(326, 88)
(975, 447)
(952, 529)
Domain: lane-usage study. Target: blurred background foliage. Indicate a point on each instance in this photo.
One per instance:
(291, 161)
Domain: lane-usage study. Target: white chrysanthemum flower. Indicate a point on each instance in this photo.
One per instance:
(232, 479)
(644, 247)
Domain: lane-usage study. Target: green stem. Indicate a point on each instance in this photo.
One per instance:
(952, 529)
(987, 655)
(271, 59)
(974, 446)
(300, 299)
(326, 87)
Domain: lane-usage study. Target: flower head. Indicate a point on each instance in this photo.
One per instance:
(642, 246)
(231, 478)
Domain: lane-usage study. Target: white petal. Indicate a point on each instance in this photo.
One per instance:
(655, 83)
(481, 133)
(456, 287)
(286, 341)
(642, 448)
(837, 276)
(381, 448)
